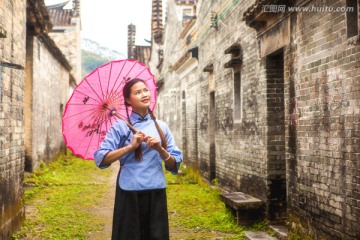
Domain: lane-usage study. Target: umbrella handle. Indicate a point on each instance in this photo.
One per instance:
(128, 124)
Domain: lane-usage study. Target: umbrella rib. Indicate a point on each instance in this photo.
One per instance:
(87, 96)
(131, 68)
(140, 72)
(102, 92)
(74, 104)
(107, 90)
(92, 135)
(87, 149)
(79, 131)
(93, 89)
(105, 120)
(121, 83)
(77, 123)
(127, 74)
(118, 76)
(114, 98)
(67, 117)
(82, 142)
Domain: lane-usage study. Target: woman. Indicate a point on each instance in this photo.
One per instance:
(140, 210)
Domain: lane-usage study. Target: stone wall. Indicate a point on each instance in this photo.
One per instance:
(47, 91)
(240, 141)
(323, 105)
(271, 108)
(169, 96)
(69, 43)
(12, 52)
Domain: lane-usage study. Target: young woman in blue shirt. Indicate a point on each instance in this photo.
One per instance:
(140, 210)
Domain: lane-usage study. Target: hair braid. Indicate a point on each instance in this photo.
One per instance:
(138, 151)
(160, 131)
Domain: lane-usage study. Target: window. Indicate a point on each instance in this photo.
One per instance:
(187, 13)
(237, 95)
(235, 63)
(352, 18)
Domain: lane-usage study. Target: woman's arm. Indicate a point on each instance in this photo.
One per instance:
(114, 155)
(168, 159)
(164, 154)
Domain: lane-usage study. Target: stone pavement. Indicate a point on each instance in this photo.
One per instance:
(105, 211)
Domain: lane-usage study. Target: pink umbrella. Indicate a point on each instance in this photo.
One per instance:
(97, 102)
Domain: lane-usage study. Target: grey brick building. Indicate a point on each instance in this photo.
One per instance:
(35, 82)
(47, 89)
(264, 97)
(12, 79)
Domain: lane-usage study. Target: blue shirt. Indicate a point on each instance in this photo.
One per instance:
(147, 173)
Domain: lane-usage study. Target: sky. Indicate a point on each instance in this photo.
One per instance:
(106, 21)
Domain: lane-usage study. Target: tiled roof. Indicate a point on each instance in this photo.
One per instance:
(38, 24)
(59, 16)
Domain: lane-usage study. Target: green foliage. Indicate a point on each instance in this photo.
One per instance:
(61, 195)
(297, 231)
(196, 206)
(90, 61)
(64, 193)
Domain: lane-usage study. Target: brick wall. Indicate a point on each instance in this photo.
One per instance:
(240, 144)
(69, 43)
(47, 92)
(323, 94)
(169, 98)
(12, 50)
(296, 143)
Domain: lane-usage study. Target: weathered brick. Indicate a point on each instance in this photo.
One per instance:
(12, 50)
(300, 110)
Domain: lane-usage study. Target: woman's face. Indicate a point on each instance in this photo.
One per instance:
(139, 97)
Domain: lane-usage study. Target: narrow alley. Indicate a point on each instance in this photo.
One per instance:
(260, 97)
(195, 210)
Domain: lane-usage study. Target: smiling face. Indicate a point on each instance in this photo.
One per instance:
(140, 97)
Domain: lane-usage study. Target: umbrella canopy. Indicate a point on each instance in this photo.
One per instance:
(97, 102)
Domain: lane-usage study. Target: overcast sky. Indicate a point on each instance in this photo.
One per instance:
(106, 21)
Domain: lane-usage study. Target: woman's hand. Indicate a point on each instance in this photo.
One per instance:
(114, 155)
(137, 139)
(153, 142)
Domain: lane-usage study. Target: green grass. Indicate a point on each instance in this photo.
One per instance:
(197, 207)
(62, 194)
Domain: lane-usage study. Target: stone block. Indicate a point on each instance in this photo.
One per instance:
(247, 209)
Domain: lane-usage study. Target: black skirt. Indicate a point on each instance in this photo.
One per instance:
(140, 215)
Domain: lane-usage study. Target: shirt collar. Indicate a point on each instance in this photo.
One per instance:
(135, 117)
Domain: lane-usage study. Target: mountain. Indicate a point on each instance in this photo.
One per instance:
(94, 55)
(96, 48)
(90, 61)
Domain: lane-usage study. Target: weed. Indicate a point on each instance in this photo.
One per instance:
(62, 192)
(195, 205)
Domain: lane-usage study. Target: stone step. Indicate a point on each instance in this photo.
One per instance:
(258, 235)
(246, 208)
(280, 230)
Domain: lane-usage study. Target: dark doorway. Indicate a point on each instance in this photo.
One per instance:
(212, 152)
(276, 137)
